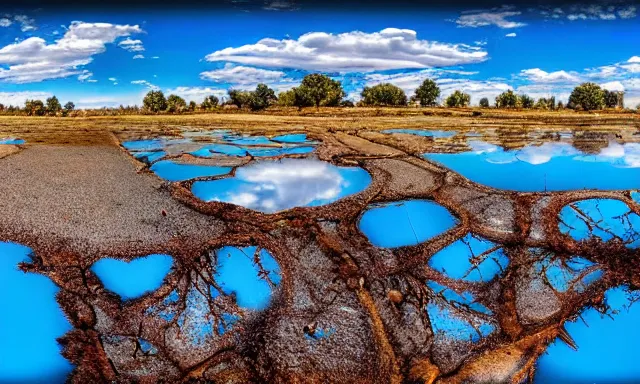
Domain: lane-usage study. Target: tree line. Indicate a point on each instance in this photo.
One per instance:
(318, 90)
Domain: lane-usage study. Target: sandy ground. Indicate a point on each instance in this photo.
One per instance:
(92, 199)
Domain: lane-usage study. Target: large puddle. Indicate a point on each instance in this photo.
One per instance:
(31, 322)
(272, 186)
(552, 166)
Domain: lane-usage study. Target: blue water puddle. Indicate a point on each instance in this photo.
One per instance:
(271, 152)
(11, 141)
(320, 334)
(31, 322)
(471, 258)
(133, 279)
(636, 197)
(238, 272)
(172, 171)
(146, 347)
(299, 138)
(602, 218)
(151, 156)
(248, 140)
(549, 167)
(272, 186)
(219, 149)
(563, 275)
(607, 347)
(423, 132)
(144, 145)
(452, 318)
(403, 223)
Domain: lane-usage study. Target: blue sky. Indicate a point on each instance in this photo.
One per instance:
(105, 59)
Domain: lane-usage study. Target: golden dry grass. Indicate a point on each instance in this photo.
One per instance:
(97, 129)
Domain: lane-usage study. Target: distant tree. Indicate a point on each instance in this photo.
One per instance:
(69, 106)
(262, 97)
(484, 102)
(458, 99)
(427, 93)
(587, 96)
(347, 104)
(155, 101)
(384, 94)
(192, 106)
(321, 90)
(34, 108)
(210, 102)
(507, 99)
(526, 101)
(302, 98)
(176, 104)
(287, 98)
(560, 105)
(239, 98)
(53, 105)
(613, 99)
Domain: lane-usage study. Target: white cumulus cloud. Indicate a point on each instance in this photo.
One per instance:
(18, 98)
(355, 51)
(242, 76)
(197, 94)
(131, 45)
(33, 60)
(512, 34)
(539, 76)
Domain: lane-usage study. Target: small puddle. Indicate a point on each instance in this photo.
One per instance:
(606, 219)
(272, 186)
(172, 171)
(414, 221)
(248, 275)
(549, 167)
(131, 280)
(439, 134)
(607, 346)
(11, 141)
(471, 258)
(31, 322)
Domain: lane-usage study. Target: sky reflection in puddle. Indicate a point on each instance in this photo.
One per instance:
(439, 134)
(471, 258)
(607, 348)
(413, 222)
(602, 218)
(133, 279)
(172, 171)
(30, 324)
(272, 186)
(548, 167)
(11, 141)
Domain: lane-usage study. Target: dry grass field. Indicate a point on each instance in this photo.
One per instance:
(95, 130)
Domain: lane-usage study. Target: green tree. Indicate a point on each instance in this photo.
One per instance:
(613, 99)
(384, 94)
(192, 106)
(34, 108)
(507, 99)
(155, 101)
(484, 102)
(262, 97)
(210, 102)
(239, 98)
(526, 101)
(560, 105)
(287, 98)
(587, 96)
(175, 104)
(53, 105)
(427, 93)
(458, 99)
(321, 90)
(69, 107)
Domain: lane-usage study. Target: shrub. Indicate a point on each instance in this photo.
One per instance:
(427, 93)
(458, 99)
(484, 102)
(613, 99)
(239, 98)
(287, 98)
(526, 101)
(261, 98)
(384, 94)
(34, 108)
(210, 102)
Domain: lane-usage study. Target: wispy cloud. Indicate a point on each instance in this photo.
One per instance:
(498, 17)
(146, 84)
(131, 45)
